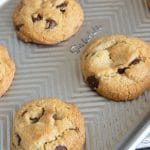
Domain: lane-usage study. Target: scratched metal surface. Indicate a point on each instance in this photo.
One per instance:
(45, 71)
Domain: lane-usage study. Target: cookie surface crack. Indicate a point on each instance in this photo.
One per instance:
(60, 136)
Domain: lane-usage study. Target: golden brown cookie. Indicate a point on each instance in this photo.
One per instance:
(47, 21)
(7, 70)
(148, 3)
(117, 66)
(48, 124)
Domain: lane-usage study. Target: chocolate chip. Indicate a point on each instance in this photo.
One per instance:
(136, 61)
(75, 129)
(55, 117)
(36, 17)
(93, 82)
(24, 113)
(60, 147)
(36, 119)
(19, 26)
(93, 53)
(86, 55)
(50, 24)
(121, 70)
(62, 7)
(18, 139)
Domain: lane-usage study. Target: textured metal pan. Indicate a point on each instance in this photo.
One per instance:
(45, 71)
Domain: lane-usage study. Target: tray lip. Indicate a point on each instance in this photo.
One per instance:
(137, 135)
(3, 2)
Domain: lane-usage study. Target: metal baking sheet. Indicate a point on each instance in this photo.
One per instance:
(53, 71)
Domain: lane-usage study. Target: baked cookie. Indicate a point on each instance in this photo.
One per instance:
(48, 124)
(117, 66)
(47, 21)
(148, 3)
(7, 70)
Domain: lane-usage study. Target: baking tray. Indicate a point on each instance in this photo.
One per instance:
(54, 71)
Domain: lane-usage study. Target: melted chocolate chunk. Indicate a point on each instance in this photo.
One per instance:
(136, 61)
(18, 27)
(93, 53)
(55, 117)
(36, 119)
(18, 139)
(62, 7)
(60, 147)
(50, 24)
(93, 82)
(24, 113)
(121, 70)
(36, 18)
(86, 55)
(75, 129)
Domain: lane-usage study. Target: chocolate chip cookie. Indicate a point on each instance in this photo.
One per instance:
(48, 124)
(148, 3)
(47, 21)
(7, 70)
(117, 66)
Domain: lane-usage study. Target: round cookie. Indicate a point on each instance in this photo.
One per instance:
(7, 70)
(117, 66)
(47, 21)
(48, 124)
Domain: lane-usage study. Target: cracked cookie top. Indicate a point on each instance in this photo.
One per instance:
(7, 70)
(47, 21)
(48, 124)
(117, 66)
